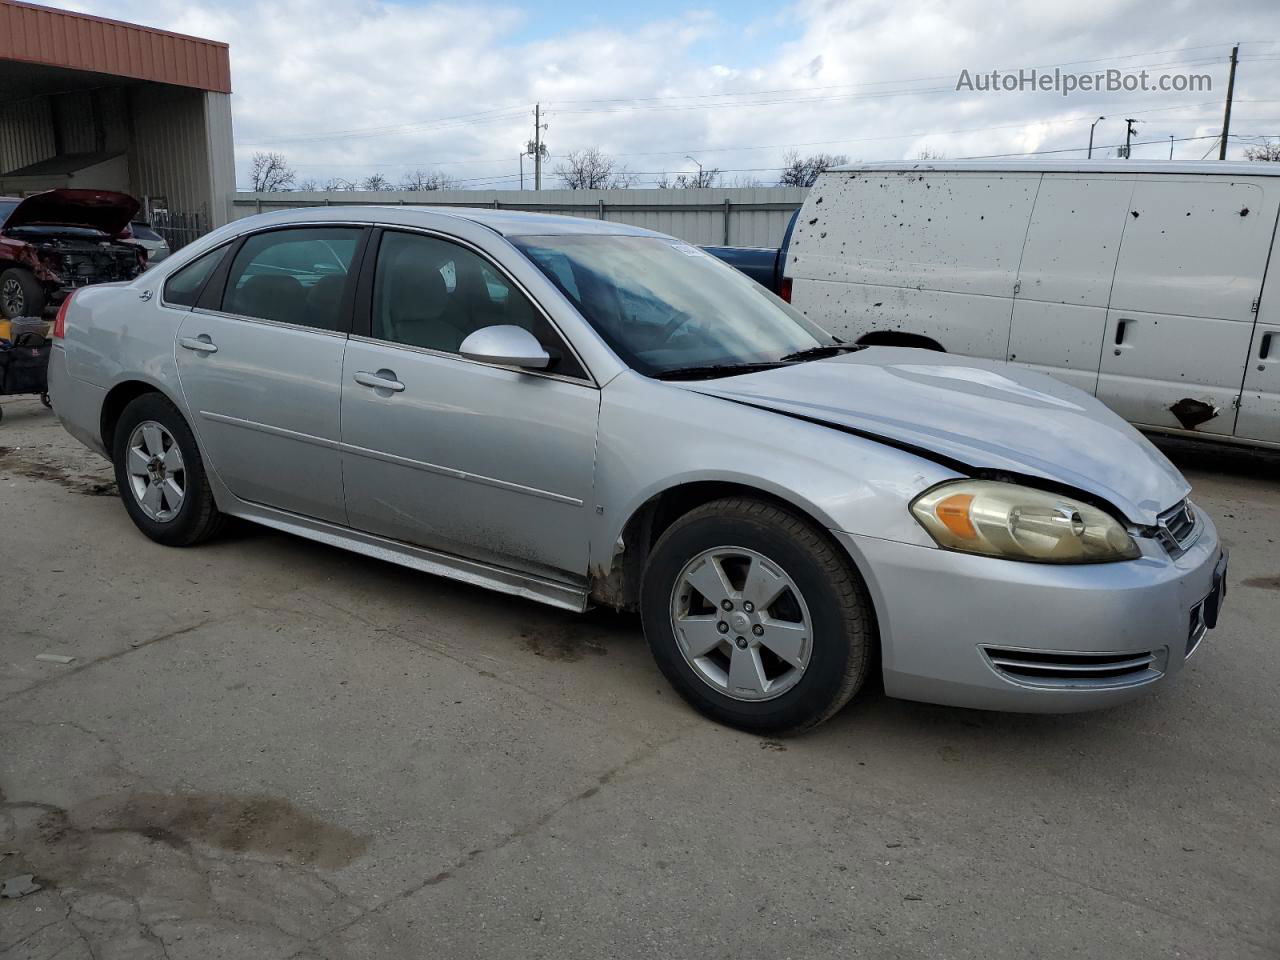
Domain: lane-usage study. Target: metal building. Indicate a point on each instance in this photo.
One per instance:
(96, 103)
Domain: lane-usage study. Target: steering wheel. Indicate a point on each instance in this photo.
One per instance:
(677, 321)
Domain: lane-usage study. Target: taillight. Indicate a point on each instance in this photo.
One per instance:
(60, 322)
(784, 291)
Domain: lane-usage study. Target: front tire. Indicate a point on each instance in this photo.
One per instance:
(20, 294)
(161, 475)
(755, 617)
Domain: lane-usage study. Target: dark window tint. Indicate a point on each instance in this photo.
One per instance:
(428, 292)
(184, 287)
(293, 276)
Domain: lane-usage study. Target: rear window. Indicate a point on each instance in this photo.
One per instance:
(7, 207)
(142, 231)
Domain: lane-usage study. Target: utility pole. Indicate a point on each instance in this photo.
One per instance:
(537, 146)
(521, 169)
(1226, 117)
(1089, 156)
(1171, 146)
(1128, 138)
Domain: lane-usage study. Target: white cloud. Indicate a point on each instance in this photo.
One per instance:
(306, 68)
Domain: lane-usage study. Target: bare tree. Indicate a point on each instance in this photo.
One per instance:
(592, 170)
(1269, 152)
(270, 172)
(339, 183)
(746, 180)
(421, 180)
(375, 181)
(308, 185)
(928, 153)
(706, 177)
(798, 171)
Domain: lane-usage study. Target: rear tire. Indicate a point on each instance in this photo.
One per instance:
(795, 640)
(20, 294)
(161, 475)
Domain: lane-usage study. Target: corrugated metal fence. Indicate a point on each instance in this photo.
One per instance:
(739, 217)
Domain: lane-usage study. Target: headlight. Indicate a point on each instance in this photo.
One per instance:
(1020, 523)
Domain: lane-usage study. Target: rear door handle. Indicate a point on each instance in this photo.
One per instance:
(200, 344)
(382, 380)
(1265, 350)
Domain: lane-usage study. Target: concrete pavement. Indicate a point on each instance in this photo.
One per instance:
(268, 748)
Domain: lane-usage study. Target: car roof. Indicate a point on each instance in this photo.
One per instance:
(1226, 168)
(508, 223)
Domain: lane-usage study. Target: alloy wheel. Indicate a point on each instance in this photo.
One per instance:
(741, 623)
(13, 298)
(157, 475)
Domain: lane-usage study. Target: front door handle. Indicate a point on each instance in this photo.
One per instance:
(200, 344)
(382, 380)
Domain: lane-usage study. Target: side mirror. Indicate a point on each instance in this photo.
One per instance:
(506, 344)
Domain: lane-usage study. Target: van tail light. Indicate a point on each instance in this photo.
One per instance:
(784, 291)
(60, 322)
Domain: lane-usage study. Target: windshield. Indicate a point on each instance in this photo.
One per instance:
(663, 305)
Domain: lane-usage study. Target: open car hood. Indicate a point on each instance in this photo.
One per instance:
(103, 210)
(984, 415)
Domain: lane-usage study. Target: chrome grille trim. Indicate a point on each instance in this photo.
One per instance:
(1039, 668)
(1178, 528)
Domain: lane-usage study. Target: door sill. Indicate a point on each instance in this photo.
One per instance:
(553, 593)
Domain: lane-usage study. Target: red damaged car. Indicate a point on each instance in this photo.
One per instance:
(53, 242)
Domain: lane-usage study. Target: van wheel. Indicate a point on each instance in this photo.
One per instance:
(20, 294)
(755, 617)
(161, 475)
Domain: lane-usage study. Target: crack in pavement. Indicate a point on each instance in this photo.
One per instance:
(108, 658)
(449, 653)
(520, 833)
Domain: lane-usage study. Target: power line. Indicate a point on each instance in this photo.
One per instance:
(513, 111)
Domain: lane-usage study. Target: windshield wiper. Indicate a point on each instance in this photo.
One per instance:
(825, 350)
(709, 371)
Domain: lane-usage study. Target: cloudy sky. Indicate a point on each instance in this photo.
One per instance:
(374, 86)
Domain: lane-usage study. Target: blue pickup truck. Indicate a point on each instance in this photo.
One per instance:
(762, 264)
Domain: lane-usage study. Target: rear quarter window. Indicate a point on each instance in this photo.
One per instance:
(182, 289)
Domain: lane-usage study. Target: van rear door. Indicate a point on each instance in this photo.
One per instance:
(1064, 281)
(1180, 319)
(1259, 417)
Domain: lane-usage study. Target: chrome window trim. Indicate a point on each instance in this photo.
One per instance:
(222, 314)
(590, 379)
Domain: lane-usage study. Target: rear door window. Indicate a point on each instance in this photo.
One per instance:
(297, 276)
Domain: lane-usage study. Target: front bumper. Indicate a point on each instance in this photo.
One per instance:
(993, 634)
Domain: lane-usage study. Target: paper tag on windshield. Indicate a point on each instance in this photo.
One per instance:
(687, 250)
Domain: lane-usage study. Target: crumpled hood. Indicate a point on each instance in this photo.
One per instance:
(983, 414)
(103, 210)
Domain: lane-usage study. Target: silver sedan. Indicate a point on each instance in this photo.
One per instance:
(582, 413)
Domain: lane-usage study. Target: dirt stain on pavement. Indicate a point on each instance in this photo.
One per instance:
(62, 840)
(1264, 583)
(13, 461)
(569, 643)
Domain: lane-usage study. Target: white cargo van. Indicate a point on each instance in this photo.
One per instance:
(1145, 283)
